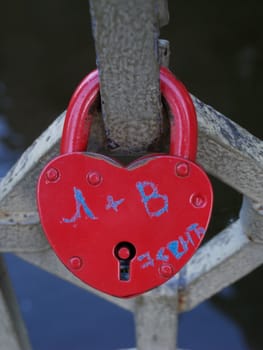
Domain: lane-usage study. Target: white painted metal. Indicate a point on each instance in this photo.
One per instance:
(156, 320)
(224, 259)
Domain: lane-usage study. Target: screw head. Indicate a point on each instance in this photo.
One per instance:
(52, 175)
(198, 200)
(182, 169)
(94, 178)
(166, 270)
(75, 262)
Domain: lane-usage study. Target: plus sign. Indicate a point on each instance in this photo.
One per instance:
(112, 204)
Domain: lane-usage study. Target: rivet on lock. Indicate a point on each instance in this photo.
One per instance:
(125, 230)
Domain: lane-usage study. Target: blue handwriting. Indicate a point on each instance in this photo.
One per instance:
(112, 204)
(149, 260)
(80, 202)
(160, 255)
(153, 195)
(178, 248)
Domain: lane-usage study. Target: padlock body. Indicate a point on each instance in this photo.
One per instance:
(159, 207)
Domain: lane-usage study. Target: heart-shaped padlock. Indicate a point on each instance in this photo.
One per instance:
(125, 230)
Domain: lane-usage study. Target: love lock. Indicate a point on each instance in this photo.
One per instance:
(125, 230)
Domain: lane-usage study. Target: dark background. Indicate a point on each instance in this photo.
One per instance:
(46, 48)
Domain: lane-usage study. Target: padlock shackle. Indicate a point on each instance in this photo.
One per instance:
(78, 119)
(183, 123)
(183, 134)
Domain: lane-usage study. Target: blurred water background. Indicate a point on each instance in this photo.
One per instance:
(46, 48)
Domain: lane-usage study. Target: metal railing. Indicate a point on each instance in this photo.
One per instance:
(226, 151)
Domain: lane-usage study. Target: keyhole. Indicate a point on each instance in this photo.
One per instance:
(124, 252)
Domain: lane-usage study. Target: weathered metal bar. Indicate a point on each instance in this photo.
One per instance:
(164, 52)
(156, 320)
(126, 34)
(251, 216)
(163, 12)
(230, 152)
(226, 258)
(13, 335)
(20, 229)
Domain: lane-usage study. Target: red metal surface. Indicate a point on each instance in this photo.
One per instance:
(78, 119)
(125, 230)
(123, 253)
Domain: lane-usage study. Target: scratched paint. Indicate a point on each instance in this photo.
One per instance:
(80, 203)
(178, 248)
(153, 195)
(112, 204)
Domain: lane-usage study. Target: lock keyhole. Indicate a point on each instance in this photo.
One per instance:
(124, 252)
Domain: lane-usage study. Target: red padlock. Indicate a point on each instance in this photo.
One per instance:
(125, 230)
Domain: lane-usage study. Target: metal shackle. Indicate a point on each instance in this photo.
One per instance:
(183, 125)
